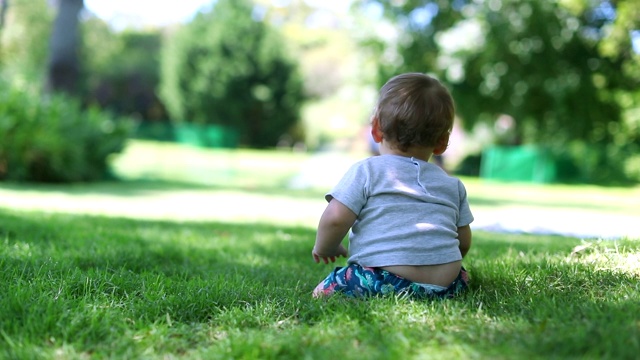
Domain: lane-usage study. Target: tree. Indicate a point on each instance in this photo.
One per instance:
(338, 78)
(4, 4)
(541, 62)
(63, 68)
(121, 70)
(230, 68)
(51, 138)
(23, 43)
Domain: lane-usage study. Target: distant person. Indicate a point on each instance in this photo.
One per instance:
(409, 219)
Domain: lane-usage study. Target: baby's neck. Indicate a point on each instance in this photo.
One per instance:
(418, 152)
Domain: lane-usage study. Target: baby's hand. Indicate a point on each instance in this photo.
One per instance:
(340, 251)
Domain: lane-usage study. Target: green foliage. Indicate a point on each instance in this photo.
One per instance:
(552, 66)
(230, 69)
(54, 140)
(121, 70)
(24, 42)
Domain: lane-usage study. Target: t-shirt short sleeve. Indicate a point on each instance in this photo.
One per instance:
(465, 216)
(351, 190)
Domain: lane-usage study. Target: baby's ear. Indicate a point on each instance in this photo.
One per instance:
(376, 133)
(442, 145)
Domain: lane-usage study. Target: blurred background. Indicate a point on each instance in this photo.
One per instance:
(546, 91)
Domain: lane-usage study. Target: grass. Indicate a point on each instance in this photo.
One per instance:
(76, 285)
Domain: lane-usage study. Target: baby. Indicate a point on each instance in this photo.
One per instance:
(409, 219)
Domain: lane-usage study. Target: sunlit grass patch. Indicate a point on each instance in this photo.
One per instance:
(619, 256)
(230, 168)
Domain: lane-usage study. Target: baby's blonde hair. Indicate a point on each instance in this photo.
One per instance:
(414, 109)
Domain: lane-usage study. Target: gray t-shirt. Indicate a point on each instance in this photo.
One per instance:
(408, 212)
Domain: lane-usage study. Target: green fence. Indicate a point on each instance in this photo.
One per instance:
(518, 163)
(214, 136)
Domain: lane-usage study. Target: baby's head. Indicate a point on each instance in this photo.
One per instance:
(414, 109)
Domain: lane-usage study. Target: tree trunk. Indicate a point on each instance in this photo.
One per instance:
(63, 66)
(4, 4)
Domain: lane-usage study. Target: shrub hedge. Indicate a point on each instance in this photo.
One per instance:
(53, 139)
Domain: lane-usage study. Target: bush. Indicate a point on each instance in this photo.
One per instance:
(229, 69)
(54, 139)
(469, 166)
(122, 70)
(611, 164)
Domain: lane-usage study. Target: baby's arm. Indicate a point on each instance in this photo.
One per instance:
(335, 222)
(464, 236)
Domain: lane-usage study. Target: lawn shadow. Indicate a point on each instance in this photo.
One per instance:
(519, 298)
(215, 265)
(564, 310)
(554, 304)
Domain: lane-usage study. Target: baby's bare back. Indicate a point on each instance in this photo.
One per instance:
(442, 274)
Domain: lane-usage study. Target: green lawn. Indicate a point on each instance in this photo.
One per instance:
(161, 267)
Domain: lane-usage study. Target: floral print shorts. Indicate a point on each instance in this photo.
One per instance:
(359, 281)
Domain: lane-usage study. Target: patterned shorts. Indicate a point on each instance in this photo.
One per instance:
(359, 281)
